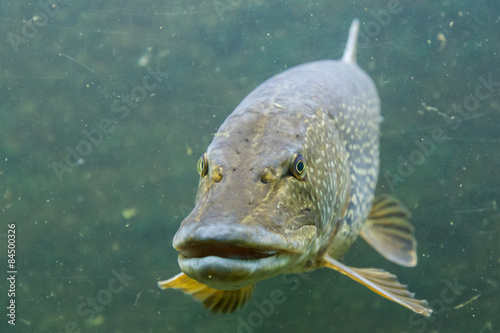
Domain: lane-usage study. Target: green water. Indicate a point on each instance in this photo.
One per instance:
(106, 106)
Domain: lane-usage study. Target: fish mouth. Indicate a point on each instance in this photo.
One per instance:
(227, 255)
(233, 265)
(231, 271)
(226, 251)
(226, 266)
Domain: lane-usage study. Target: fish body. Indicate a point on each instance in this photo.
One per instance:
(287, 185)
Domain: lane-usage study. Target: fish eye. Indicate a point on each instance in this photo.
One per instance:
(203, 165)
(299, 168)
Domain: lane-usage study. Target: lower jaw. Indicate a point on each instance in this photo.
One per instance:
(231, 274)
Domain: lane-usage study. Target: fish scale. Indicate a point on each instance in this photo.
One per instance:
(287, 185)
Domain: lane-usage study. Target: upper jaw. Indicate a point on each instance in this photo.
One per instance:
(215, 236)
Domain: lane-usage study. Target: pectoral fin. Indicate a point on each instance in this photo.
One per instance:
(383, 283)
(219, 301)
(388, 231)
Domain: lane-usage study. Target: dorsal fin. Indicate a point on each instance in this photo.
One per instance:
(350, 48)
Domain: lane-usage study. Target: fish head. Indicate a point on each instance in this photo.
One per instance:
(265, 201)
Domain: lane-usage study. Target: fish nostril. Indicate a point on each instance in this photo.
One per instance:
(217, 174)
(268, 176)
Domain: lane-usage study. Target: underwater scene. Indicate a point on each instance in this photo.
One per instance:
(114, 129)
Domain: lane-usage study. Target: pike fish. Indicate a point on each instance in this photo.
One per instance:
(287, 185)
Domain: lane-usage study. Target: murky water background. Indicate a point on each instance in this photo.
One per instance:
(105, 108)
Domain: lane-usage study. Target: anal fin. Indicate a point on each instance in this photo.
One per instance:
(219, 301)
(383, 283)
(388, 231)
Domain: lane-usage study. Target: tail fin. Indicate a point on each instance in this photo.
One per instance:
(350, 49)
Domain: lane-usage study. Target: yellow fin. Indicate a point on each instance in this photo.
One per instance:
(219, 301)
(388, 231)
(383, 283)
